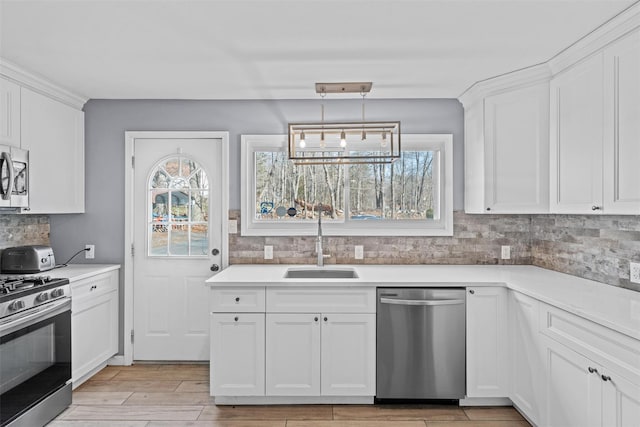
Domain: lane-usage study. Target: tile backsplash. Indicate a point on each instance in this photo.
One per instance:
(18, 230)
(594, 247)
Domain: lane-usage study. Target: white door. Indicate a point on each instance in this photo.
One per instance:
(237, 354)
(573, 389)
(293, 354)
(348, 362)
(487, 347)
(176, 238)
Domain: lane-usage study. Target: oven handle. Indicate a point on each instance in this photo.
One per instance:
(6, 156)
(30, 317)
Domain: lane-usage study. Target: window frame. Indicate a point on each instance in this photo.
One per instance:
(443, 143)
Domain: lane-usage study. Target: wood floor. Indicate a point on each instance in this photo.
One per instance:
(145, 395)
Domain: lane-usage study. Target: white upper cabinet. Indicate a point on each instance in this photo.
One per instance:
(577, 97)
(595, 106)
(622, 126)
(9, 113)
(507, 150)
(53, 133)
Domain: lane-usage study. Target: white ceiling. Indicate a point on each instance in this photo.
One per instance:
(272, 49)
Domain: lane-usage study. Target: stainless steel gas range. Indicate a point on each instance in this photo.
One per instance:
(35, 349)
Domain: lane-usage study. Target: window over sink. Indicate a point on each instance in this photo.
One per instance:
(412, 196)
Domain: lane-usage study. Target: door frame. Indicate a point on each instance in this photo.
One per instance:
(130, 138)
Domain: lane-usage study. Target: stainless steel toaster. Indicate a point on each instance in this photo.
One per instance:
(27, 259)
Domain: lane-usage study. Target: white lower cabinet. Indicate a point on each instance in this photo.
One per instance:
(526, 357)
(94, 324)
(293, 354)
(487, 342)
(329, 354)
(237, 354)
(284, 351)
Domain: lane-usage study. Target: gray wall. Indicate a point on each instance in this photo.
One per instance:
(107, 120)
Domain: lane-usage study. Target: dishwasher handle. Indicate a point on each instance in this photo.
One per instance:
(421, 301)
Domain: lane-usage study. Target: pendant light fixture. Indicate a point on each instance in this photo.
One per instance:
(357, 142)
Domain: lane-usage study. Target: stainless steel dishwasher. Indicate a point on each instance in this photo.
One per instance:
(421, 343)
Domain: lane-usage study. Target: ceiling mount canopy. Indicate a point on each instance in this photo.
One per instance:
(358, 142)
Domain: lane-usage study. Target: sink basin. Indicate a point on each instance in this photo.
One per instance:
(321, 273)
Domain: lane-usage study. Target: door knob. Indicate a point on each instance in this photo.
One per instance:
(215, 267)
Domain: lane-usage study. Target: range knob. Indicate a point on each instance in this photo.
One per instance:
(16, 305)
(42, 297)
(57, 293)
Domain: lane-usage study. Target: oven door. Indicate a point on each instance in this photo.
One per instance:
(35, 350)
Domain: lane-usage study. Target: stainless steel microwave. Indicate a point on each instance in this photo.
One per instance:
(14, 177)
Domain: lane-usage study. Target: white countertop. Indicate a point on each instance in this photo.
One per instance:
(611, 306)
(75, 272)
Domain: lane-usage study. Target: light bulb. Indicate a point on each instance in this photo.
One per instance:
(343, 139)
(303, 143)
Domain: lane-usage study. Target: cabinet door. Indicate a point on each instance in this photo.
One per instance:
(237, 354)
(293, 354)
(94, 333)
(517, 151)
(474, 197)
(348, 361)
(573, 390)
(487, 335)
(622, 126)
(576, 138)
(54, 135)
(620, 402)
(526, 356)
(9, 113)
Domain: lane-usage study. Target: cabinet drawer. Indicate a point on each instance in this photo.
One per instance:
(236, 299)
(93, 287)
(324, 300)
(597, 342)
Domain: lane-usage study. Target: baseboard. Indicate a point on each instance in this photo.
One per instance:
(486, 401)
(293, 400)
(117, 360)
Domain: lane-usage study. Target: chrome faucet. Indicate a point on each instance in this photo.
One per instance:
(321, 255)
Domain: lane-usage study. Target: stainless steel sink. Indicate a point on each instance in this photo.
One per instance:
(321, 273)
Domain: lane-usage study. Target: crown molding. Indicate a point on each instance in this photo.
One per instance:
(509, 81)
(39, 84)
(618, 26)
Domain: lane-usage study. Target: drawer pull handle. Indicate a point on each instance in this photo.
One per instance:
(606, 378)
(592, 370)
(595, 208)
(94, 287)
(235, 319)
(237, 299)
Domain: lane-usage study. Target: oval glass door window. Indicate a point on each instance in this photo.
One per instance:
(178, 209)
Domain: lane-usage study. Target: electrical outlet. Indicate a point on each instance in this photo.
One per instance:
(268, 252)
(359, 252)
(506, 252)
(233, 226)
(634, 272)
(91, 253)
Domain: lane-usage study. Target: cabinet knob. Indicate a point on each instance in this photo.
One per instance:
(325, 319)
(237, 299)
(595, 208)
(471, 291)
(215, 251)
(605, 377)
(315, 319)
(214, 267)
(235, 319)
(488, 209)
(592, 370)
